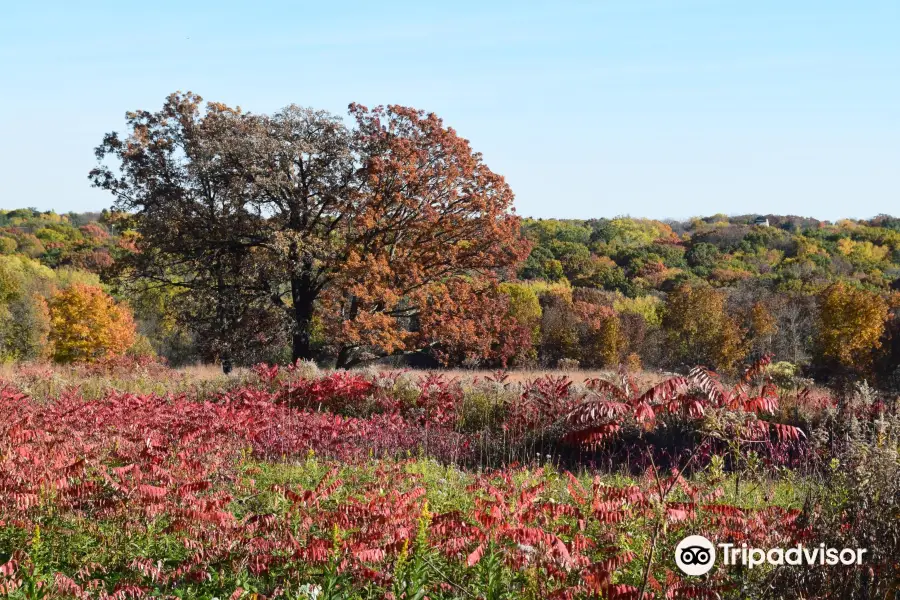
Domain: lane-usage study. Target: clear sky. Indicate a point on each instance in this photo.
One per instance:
(663, 109)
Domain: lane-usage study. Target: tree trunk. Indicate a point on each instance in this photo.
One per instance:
(222, 310)
(345, 354)
(304, 299)
(344, 358)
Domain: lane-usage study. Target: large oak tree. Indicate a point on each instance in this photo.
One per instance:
(353, 229)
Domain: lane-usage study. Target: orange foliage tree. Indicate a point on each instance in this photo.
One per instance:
(469, 322)
(87, 325)
(852, 323)
(429, 219)
(355, 229)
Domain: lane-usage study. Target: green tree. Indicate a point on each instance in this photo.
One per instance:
(703, 255)
(541, 264)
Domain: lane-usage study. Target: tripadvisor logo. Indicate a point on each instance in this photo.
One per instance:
(695, 555)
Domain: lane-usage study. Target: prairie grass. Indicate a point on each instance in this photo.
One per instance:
(44, 381)
(47, 381)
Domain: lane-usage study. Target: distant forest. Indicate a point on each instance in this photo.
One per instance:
(598, 293)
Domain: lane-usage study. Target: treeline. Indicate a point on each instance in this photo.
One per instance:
(246, 238)
(718, 291)
(594, 293)
(639, 256)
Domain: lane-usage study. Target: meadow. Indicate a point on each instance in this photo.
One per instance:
(129, 479)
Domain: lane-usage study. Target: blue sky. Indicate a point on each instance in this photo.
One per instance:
(663, 109)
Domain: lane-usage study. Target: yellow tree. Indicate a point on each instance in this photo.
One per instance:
(600, 335)
(852, 323)
(762, 328)
(699, 331)
(524, 306)
(86, 325)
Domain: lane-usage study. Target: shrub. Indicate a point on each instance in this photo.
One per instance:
(784, 374)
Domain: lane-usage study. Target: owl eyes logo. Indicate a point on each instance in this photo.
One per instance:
(695, 555)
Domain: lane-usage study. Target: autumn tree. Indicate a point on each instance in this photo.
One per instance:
(466, 324)
(371, 220)
(524, 311)
(699, 330)
(889, 361)
(24, 328)
(559, 329)
(752, 305)
(762, 329)
(600, 336)
(852, 324)
(350, 227)
(87, 325)
(183, 208)
(24, 318)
